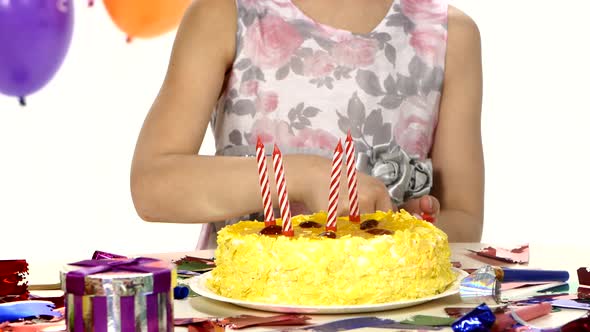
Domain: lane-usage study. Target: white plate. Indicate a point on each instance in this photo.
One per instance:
(199, 286)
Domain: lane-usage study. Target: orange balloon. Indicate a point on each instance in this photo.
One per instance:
(146, 18)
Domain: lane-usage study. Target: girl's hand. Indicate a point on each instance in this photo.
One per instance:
(373, 195)
(313, 188)
(426, 207)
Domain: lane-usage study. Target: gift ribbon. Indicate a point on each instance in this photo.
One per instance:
(405, 177)
(75, 279)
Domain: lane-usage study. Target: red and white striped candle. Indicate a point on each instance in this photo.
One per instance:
(334, 188)
(269, 217)
(282, 189)
(353, 193)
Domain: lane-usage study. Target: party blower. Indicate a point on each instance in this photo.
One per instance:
(484, 284)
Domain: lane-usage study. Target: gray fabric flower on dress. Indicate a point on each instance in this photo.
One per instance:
(405, 177)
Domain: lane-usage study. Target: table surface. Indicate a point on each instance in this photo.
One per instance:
(556, 257)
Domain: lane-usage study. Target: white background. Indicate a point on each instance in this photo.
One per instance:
(65, 158)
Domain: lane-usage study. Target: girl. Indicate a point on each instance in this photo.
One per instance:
(402, 76)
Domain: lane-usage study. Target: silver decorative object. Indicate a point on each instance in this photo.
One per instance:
(405, 177)
(481, 286)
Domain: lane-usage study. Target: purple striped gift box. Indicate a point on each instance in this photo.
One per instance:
(123, 295)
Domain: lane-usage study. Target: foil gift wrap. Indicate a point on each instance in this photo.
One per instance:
(480, 319)
(119, 295)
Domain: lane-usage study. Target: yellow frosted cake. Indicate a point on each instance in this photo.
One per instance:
(387, 257)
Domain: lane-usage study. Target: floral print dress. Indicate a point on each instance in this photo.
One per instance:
(303, 85)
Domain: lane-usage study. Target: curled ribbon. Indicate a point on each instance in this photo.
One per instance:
(405, 177)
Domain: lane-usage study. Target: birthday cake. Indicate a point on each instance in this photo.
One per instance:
(387, 257)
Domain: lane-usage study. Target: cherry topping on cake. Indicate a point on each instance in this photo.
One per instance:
(310, 224)
(379, 231)
(368, 224)
(272, 230)
(330, 234)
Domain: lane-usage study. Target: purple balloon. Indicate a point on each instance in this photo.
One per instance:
(35, 36)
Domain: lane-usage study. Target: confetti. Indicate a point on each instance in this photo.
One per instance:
(518, 255)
